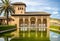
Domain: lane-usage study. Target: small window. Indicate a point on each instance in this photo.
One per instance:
(19, 8)
(22, 8)
(21, 12)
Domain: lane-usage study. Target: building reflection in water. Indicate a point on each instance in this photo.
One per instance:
(41, 35)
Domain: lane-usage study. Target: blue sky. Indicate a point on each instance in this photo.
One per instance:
(50, 6)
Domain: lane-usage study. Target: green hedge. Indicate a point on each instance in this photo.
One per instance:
(55, 27)
(6, 27)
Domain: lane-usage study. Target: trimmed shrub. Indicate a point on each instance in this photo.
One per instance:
(6, 27)
(55, 27)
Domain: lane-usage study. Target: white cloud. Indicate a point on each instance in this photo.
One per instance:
(51, 8)
(48, 8)
(55, 12)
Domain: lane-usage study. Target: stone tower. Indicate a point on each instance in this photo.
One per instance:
(19, 7)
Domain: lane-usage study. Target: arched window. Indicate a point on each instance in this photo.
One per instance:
(45, 22)
(21, 22)
(26, 21)
(32, 20)
(18, 8)
(39, 21)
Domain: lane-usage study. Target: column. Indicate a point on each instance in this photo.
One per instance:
(17, 25)
(36, 27)
(48, 25)
(29, 27)
(41, 26)
(23, 27)
(23, 22)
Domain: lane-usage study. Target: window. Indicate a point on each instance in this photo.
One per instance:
(19, 8)
(32, 22)
(21, 12)
(22, 8)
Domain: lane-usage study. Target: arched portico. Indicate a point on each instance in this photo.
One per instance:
(34, 23)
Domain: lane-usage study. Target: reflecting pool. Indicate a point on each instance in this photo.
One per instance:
(53, 37)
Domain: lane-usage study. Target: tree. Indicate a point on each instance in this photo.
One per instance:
(6, 8)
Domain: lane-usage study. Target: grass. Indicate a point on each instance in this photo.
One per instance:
(6, 27)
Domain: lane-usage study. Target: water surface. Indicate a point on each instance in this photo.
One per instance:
(53, 37)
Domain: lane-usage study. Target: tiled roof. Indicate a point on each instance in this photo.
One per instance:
(32, 14)
(36, 13)
(18, 3)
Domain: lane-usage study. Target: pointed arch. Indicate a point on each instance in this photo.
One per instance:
(21, 21)
(45, 22)
(32, 20)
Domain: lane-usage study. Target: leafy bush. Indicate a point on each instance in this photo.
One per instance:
(6, 27)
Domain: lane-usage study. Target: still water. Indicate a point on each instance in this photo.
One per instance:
(53, 37)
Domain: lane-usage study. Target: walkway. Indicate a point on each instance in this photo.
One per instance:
(7, 30)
